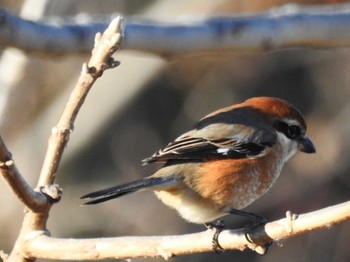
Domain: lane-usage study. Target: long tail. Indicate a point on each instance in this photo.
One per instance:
(120, 190)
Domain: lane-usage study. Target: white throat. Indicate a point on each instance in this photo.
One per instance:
(289, 147)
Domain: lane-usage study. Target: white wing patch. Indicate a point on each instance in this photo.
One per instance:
(223, 150)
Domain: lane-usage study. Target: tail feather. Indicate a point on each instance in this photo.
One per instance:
(120, 190)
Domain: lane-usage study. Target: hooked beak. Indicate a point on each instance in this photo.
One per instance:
(305, 145)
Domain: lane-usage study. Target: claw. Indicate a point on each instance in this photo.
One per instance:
(261, 249)
(218, 227)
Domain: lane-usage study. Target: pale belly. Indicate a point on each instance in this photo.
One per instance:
(190, 206)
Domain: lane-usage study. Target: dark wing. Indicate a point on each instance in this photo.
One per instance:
(199, 149)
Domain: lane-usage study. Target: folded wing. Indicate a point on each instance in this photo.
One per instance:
(201, 149)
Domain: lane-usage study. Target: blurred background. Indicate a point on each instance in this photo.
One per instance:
(139, 107)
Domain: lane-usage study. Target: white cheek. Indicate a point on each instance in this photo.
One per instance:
(289, 147)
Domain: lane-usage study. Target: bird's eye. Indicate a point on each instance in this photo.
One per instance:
(293, 131)
(290, 131)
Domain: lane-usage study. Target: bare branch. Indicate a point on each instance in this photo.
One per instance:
(34, 241)
(284, 27)
(46, 247)
(30, 198)
(34, 222)
(105, 46)
(289, 26)
(47, 38)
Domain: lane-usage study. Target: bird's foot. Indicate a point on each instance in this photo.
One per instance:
(261, 249)
(257, 222)
(217, 227)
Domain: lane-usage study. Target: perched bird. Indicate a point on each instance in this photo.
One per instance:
(227, 161)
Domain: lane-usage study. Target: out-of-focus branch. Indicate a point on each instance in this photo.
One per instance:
(284, 27)
(46, 247)
(47, 38)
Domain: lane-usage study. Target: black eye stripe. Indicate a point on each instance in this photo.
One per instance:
(290, 131)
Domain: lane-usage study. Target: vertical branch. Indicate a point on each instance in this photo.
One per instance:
(35, 219)
(105, 46)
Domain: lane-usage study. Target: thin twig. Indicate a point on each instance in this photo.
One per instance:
(167, 246)
(16, 182)
(105, 46)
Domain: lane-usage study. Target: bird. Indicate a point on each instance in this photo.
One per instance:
(228, 160)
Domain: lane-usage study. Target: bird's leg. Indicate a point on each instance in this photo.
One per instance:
(251, 216)
(257, 221)
(218, 227)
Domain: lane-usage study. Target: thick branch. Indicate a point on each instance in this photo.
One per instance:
(279, 28)
(284, 27)
(42, 246)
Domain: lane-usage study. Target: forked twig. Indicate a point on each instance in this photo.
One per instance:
(38, 203)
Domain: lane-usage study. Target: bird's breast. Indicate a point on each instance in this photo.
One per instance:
(206, 191)
(236, 183)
